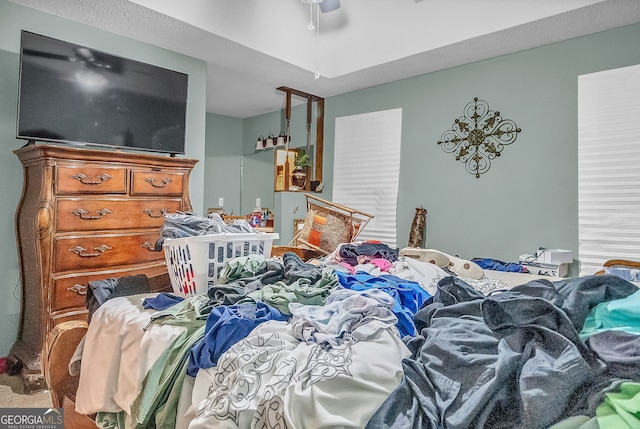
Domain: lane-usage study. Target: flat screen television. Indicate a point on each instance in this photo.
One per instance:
(74, 94)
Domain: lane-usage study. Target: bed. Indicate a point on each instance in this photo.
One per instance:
(406, 344)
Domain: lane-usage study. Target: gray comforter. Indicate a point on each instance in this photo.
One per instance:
(509, 360)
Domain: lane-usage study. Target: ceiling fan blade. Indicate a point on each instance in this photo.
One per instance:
(329, 5)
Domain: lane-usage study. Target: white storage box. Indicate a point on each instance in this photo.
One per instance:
(554, 270)
(195, 263)
(555, 256)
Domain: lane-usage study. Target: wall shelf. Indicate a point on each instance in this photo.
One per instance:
(284, 164)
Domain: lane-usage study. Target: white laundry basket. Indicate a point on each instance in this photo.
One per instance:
(195, 263)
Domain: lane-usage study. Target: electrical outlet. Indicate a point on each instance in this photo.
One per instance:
(258, 202)
(221, 202)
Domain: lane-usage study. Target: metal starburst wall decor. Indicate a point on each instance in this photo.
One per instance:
(478, 137)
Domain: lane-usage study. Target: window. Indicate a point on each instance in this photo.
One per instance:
(608, 167)
(367, 169)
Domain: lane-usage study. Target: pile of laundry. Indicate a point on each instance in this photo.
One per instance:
(190, 224)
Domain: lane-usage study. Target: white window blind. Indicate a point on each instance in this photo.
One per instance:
(366, 169)
(608, 167)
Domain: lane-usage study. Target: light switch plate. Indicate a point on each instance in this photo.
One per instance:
(258, 202)
(221, 202)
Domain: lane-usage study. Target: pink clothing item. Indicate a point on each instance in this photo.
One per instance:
(351, 269)
(383, 264)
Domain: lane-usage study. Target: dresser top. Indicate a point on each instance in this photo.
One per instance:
(36, 151)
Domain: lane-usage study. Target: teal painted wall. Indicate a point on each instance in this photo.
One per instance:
(529, 197)
(223, 176)
(13, 19)
(235, 170)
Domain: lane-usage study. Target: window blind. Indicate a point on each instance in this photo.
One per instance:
(366, 169)
(608, 167)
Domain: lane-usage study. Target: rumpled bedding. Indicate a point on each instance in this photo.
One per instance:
(225, 326)
(253, 277)
(408, 296)
(287, 344)
(300, 374)
(509, 360)
(118, 353)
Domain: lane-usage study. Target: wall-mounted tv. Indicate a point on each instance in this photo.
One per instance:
(75, 94)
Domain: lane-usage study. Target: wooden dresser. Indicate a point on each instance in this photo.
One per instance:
(85, 215)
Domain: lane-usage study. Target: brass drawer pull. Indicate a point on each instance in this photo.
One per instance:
(78, 251)
(153, 183)
(83, 214)
(84, 179)
(148, 245)
(159, 213)
(79, 289)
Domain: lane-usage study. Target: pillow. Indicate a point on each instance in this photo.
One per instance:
(325, 228)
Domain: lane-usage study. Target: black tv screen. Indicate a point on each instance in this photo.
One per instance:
(74, 94)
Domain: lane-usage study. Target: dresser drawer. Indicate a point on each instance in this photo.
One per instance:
(70, 291)
(147, 182)
(103, 214)
(68, 315)
(103, 251)
(91, 179)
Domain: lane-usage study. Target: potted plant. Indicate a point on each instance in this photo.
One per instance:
(299, 174)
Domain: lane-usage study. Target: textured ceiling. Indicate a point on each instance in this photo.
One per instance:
(254, 46)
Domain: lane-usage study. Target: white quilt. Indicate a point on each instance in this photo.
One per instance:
(118, 353)
(292, 375)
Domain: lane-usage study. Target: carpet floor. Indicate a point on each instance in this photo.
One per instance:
(12, 394)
